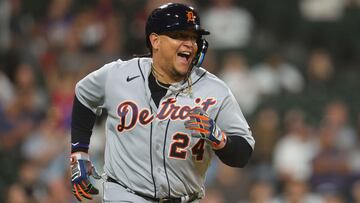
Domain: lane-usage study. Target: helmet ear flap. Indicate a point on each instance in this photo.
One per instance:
(200, 55)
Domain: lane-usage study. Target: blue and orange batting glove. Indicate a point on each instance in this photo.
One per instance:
(205, 128)
(81, 169)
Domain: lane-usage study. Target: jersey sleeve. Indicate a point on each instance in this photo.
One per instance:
(231, 120)
(90, 90)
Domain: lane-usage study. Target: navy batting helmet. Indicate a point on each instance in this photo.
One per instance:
(177, 17)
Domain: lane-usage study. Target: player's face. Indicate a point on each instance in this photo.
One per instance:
(176, 51)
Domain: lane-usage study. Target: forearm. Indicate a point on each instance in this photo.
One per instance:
(236, 152)
(82, 123)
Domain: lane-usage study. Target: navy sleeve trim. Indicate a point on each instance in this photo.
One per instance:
(236, 152)
(82, 123)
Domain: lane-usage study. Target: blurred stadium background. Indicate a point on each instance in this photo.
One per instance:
(293, 66)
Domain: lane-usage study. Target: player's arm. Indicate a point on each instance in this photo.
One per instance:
(233, 151)
(230, 136)
(89, 96)
(235, 145)
(240, 142)
(83, 120)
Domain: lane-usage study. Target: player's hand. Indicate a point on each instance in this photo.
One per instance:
(204, 127)
(81, 169)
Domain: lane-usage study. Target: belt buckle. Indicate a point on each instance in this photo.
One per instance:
(163, 200)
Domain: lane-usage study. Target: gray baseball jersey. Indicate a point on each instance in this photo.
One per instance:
(148, 148)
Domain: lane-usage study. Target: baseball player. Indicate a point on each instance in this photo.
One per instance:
(166, 118)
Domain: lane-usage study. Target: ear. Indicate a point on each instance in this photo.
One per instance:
(154, 40)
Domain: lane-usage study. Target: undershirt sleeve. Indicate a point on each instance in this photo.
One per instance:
(236, 152)
(82, 123)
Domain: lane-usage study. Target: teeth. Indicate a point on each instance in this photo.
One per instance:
(186, 53)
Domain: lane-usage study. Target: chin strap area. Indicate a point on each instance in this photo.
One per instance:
(199, 58)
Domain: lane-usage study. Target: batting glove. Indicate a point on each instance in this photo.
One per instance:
(205, 128)
(81, 170)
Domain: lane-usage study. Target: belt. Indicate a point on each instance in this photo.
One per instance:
(189, 198)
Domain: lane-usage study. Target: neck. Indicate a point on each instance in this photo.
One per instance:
(164, 76)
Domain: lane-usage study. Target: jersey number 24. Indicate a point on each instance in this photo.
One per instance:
(180, 144)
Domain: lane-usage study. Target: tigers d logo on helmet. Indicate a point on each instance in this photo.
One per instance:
(190, 16)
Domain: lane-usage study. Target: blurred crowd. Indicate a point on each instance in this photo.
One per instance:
(293, 66)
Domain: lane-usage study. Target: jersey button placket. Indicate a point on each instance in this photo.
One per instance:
(159, 175)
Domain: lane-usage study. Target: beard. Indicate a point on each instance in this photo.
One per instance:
(179, 75)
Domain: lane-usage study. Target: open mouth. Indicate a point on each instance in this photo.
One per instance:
(185, 55)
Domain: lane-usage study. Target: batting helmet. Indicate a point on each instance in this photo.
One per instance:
(177, 17)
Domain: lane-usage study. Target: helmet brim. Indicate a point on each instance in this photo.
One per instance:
(203, 32)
